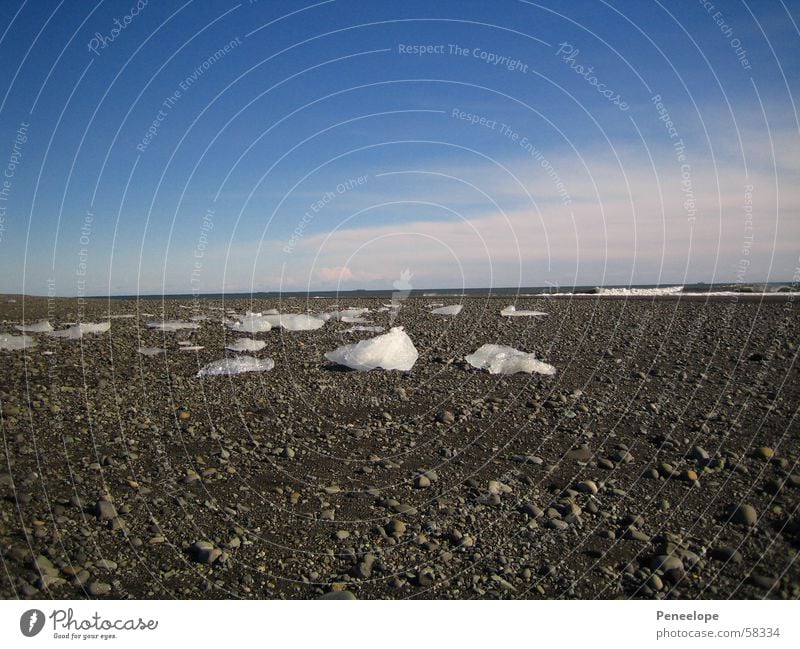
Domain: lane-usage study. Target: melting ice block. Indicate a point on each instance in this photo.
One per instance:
(391, 351)
(172, 325)
(454, 309)
(301, 322)
(40, 327)
(253, 323)
(511, 311)
(75, 332)
(499, 359)
(14, 343)
(246, 345)
(237, 365)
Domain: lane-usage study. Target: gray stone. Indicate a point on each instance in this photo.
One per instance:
(745, 515)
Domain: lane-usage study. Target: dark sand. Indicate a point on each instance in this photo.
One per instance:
(305, 480)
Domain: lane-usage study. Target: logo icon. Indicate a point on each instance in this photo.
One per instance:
(31, 622)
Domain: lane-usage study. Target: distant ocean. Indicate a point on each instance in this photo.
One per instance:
(643, 290)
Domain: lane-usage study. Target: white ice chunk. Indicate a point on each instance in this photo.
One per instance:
(300, 322)
(246, 345)
(40, 327)
(172, 325)
(454, 309)
(511, 311)
(121, 316)
(351, 320)
(433, 305)
(151, 351)
(358, 328)
(344, 313)
(190, 348)
(253, 323)
(391, 351)
(14, 343)
(237, 365)
(75, 332)
(499, 359)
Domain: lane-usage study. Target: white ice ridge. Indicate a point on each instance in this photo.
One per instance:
(75, 332)
(260, 322)
(40, 327)
(151, 351)
(341, 315)
(172, 325)
(246, 345)
(253, 323)
(454, 309)
(499, 359)
(237, 365)
(358, 328)
(390, 351)
(511, 311)
(14, 343)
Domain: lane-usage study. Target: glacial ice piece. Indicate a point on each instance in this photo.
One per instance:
(500, 359)
(359, 328)
(14, 343)
(190, 348)
(253, 323)
(172, 325)
(453, 309)
(237, 365)
(259, 322)
(344, 313)
(246, 345)
(76, 332)
(390, 351)
(511, 311)
(300, 322)
(151, 351)
(40, 327)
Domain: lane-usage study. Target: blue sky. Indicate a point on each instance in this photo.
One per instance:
(215, 146)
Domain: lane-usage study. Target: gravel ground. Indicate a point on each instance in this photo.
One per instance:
(659, 462)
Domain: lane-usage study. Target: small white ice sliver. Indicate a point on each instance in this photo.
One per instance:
(237, 365)
(511, 311)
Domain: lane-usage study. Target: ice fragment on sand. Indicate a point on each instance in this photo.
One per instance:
(237, 365)
(190, 348)
(151, 351)
(172, 325)
(246, 345)
(391, 351)
(253, 323)
(356, 329)
(499, 359)
(511, 311)
(14, 343)
(300, 322)
(454, 309)
(75, 332)
(40, 327)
